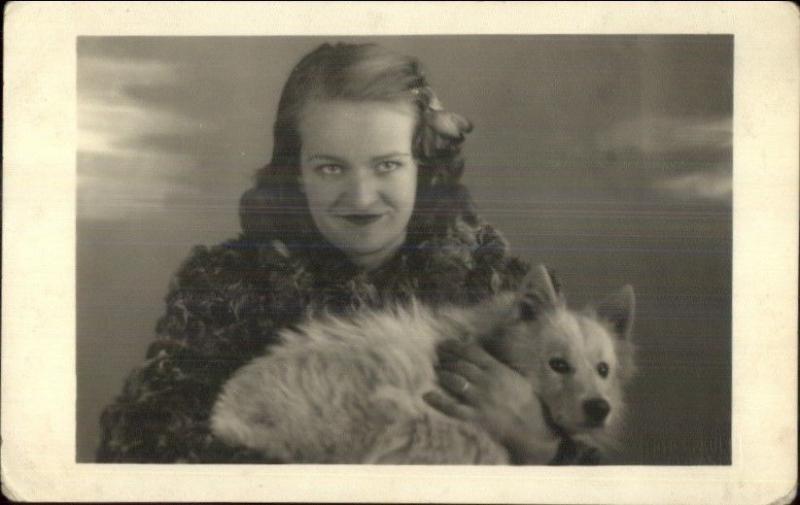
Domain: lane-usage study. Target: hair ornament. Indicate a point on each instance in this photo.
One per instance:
(446, 129)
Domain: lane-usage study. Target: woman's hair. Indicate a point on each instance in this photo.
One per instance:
(276, 207)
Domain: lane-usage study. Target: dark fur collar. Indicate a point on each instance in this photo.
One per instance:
(464, 265)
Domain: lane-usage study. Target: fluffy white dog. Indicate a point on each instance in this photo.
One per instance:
(350, 390)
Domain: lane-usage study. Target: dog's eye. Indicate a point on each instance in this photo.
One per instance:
(560, 365)
(602, 369)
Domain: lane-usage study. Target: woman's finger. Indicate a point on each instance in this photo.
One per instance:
(450, 347)
(454, 350)
(471, 352)
(458, 386)
(443, 355)
(449, 406)
(478, 355)
(465, 369)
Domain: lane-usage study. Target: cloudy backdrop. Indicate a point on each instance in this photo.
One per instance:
(608, 158)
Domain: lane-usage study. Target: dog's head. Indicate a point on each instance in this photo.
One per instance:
(577, 361)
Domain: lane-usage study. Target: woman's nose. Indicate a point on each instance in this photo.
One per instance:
(362, 190)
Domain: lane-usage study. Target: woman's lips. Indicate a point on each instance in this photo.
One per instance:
(361, 219)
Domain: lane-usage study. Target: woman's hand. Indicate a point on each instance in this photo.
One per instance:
(489, 393)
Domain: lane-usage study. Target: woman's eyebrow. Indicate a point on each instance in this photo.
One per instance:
(395, 154)
(374, 159)
(325, 157)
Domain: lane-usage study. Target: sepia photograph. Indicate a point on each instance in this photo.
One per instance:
(468, 252)
(425, 249)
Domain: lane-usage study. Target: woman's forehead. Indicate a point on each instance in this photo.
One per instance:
(343, 127)
(346, 110)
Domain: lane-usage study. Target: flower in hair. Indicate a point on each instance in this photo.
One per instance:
(449, 124)
(447, 128)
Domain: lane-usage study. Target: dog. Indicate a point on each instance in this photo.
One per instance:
(350, 390)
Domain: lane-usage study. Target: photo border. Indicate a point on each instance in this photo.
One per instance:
(38, 312)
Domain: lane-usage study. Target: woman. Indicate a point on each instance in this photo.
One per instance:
(360, 206)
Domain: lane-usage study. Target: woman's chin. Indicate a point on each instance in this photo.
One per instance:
(372, 257)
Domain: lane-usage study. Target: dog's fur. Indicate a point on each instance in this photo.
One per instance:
(351, 390)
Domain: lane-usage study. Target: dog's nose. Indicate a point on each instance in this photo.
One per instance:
(596, 410)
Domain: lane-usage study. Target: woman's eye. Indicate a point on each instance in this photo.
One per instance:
(388, 166)
(329, 169)
(560, 365)
(602, 369)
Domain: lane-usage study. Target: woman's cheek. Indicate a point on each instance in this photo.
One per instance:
(405, 189)
(321, 192)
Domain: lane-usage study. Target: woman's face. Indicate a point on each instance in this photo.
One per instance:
(359, 175)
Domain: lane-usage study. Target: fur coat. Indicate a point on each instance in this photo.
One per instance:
(227, 303)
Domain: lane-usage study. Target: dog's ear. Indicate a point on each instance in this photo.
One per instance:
(618, 310)
(539, 291)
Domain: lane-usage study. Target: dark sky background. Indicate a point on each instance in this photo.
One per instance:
(605, 157)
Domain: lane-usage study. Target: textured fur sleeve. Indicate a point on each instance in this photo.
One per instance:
(215, 321)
